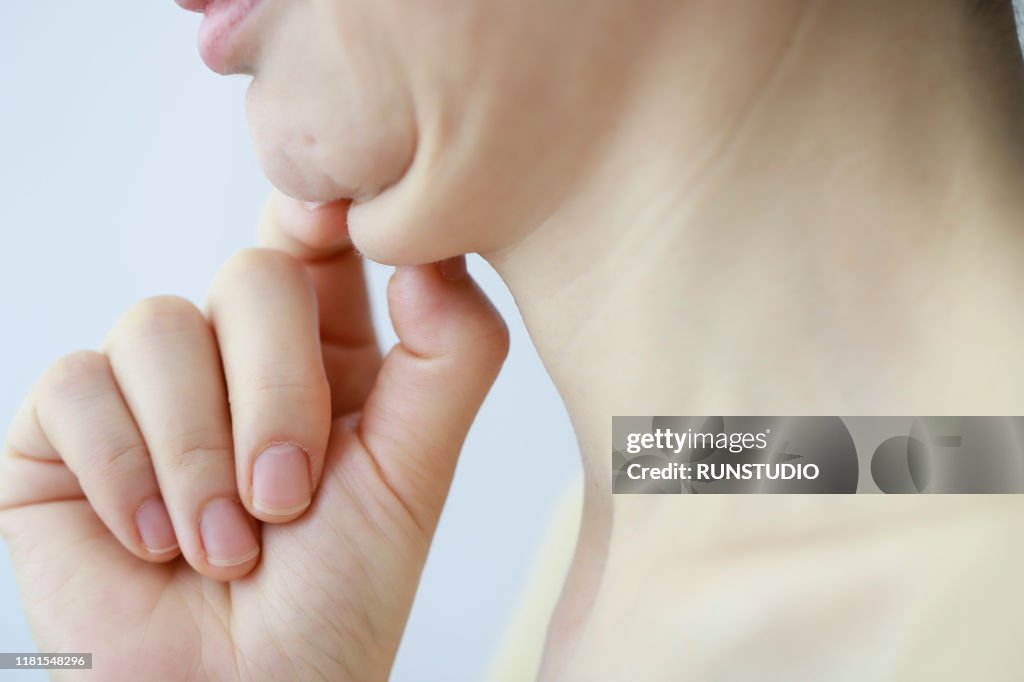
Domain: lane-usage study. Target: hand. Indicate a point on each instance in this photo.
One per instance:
(135, 481)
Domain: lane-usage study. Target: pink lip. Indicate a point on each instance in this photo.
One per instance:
(222, 44)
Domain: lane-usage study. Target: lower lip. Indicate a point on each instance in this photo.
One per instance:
(220, 41)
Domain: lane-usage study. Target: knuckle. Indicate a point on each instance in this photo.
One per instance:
(115, 461)
(161, 315)
(491, 341)
(73, 374)
(198, 458)
(499, 338)
(255, 269)
(297, 382)
(256, 262)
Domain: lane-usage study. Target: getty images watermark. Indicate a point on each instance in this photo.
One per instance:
(817, 454)
(668, 441)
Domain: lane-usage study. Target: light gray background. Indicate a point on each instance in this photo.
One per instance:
(126, 171)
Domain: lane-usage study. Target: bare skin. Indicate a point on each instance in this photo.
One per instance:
(106, 433)
(738, 208)
(834, 230)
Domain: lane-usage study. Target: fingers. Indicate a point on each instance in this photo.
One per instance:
(452, 343)
(166, 362)
(263, 309)
(189, 424)
(307, 231)
(318, 238)
(77, 410)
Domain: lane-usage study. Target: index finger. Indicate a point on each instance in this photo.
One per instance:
(318, 237)
(309, 232)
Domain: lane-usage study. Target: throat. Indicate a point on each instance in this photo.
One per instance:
(840, 236)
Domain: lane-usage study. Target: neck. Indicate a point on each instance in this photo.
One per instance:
(835, 230)
(824, 218)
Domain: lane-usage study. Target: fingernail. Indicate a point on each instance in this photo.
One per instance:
(280, 480)
(155, 527)
(227, 536)
(454, 269)
(313, 205)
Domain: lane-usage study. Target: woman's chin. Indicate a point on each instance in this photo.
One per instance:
(297, 181)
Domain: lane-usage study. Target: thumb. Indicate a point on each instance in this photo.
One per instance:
(452, 343)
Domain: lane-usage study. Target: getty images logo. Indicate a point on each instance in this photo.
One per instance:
(731, 455)
(669, 440)
(818, 454)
